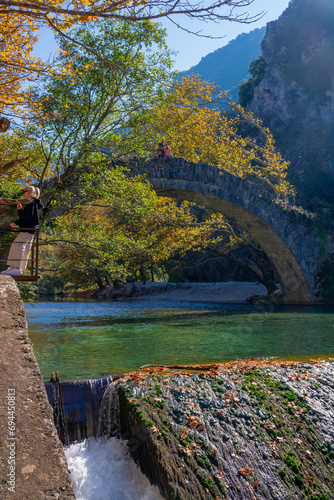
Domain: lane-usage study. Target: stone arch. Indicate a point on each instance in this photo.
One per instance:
(292, 248)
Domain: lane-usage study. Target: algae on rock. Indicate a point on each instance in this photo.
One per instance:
(241, 430)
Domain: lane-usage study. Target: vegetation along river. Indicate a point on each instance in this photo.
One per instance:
(88, 339)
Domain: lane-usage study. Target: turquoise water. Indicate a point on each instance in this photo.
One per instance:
(88, 339)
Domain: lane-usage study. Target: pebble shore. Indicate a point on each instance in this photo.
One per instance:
(231, 291)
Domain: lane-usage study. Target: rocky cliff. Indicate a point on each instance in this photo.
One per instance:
(295, 97)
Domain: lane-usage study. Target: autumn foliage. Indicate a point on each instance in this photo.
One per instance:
(18, 36)
(20, 22)
(192, 121)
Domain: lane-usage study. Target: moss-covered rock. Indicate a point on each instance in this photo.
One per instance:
(240, 430)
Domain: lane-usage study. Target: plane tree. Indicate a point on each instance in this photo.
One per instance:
(74, 115)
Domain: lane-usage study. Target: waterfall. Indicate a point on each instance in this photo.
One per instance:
(76, 407)
(54, 395)
(102, 469)
(87, 418)
(109, 415)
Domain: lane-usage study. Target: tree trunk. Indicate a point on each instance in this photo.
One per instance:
(142, 276)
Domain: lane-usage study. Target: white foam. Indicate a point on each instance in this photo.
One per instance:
(103, 469)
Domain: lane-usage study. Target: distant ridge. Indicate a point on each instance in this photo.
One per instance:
(228, 66)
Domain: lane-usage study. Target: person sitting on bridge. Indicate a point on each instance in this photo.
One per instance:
(164, 150)
(168, 151)
(4, 124)
(29, 222)
(161, 150)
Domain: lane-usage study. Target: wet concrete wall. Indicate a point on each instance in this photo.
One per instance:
(33, 464)
(76, 406)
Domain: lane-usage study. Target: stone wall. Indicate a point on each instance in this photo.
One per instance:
(33, 464)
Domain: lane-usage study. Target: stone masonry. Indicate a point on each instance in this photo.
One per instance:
(32, 460)
(291, 245)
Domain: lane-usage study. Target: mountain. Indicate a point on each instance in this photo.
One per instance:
(228, 66)
(295, 96)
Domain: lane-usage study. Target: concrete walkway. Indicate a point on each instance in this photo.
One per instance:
(32, 460)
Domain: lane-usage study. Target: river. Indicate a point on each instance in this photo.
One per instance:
(87, 339)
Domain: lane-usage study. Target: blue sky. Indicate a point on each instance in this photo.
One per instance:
(192, 48)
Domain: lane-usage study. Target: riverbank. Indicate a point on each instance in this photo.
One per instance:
(227, 292)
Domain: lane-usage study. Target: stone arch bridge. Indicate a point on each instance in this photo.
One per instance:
(292, 247)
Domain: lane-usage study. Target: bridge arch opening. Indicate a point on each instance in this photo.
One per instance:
(291, 277)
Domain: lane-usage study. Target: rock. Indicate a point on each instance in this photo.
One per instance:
(191, 450)
(295, 96)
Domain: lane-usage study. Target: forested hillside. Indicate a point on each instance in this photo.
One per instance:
(228, 66)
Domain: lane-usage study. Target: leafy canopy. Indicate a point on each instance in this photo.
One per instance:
(21, 21)
(17, 144)
(122, 227)
(197, 130)
(17, 37)
(91, 107)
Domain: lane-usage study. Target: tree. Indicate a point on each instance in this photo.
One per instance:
(29, 166)
(257, 69)
(90, 107)
(198, 132)
(17, 37)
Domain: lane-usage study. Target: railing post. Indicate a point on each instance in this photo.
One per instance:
(37, 249)
(32, 256)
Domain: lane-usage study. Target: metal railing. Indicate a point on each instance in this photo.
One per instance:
(33, 257)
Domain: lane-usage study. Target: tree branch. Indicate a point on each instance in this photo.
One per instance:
(153, 9)
(12, 164)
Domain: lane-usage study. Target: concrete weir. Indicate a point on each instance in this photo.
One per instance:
(33, 464)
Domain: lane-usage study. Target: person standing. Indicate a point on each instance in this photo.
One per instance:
(28, 223)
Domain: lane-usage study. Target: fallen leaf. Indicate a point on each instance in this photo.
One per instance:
(269, 425)
(245, 471)
(183, 434)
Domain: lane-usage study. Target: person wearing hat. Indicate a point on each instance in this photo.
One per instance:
(4, 124)
(161, 150)
(28, 222)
